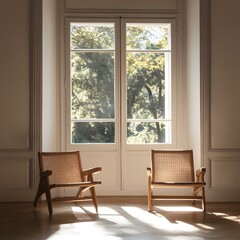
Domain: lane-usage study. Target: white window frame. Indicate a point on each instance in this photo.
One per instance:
(121, 83)
(172, 106)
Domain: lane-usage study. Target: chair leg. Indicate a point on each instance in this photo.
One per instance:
(43, 187)
(47, 191)
(94, 199)
(38, 194)
(80, 192)
(203, 199)
(194, 195)
(149, 198)
(49, 201)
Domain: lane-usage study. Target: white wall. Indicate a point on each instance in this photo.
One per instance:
(51, 83)
(192, 80)
(225, 72)
(15, 75)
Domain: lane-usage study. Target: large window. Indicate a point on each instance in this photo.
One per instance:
(120, 81)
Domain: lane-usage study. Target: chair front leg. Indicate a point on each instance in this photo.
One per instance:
(149, 199)
(40, 191)
(203, 200)
(47, 191)
(93, 192)
(194, 194)
(150, 192)
(94, 199)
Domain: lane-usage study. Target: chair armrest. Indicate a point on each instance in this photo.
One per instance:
(201, 171)
(200, 174)
(91, 171)
(45, 174)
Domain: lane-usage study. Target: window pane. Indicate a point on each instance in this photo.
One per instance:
(92, 36)
(145, 132)
(146, 85)
(92, 82)
(148, 36)
(148, 94)
(92, 85)
(93, 132)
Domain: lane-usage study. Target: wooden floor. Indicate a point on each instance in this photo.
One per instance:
(119, 218)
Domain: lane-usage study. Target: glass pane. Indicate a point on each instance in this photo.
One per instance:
(92, 36)
(148, 36)
(142, 132)
(146, 85)
(92, 82)
(93, 132)
(92, 85)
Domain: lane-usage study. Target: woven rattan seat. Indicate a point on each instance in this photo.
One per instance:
(64, 169)
(174, 169)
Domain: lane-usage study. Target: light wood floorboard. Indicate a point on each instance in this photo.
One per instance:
(119, 218)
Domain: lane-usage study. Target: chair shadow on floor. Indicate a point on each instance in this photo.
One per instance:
(211, 220)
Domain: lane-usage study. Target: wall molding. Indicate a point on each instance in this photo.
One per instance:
(230, 167)
(24, 161)
(21, 169)
(72, 6)
(205, 62)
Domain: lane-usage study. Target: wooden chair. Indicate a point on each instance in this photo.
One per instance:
(64, 169)
(174, 169)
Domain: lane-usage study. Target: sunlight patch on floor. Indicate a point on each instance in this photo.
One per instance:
(204, 226)
(83, 230)
(159, 222)
(179, 209)
(227, 216)
(116, 224)
(233, 218)
(109, 214)
(131, 222)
